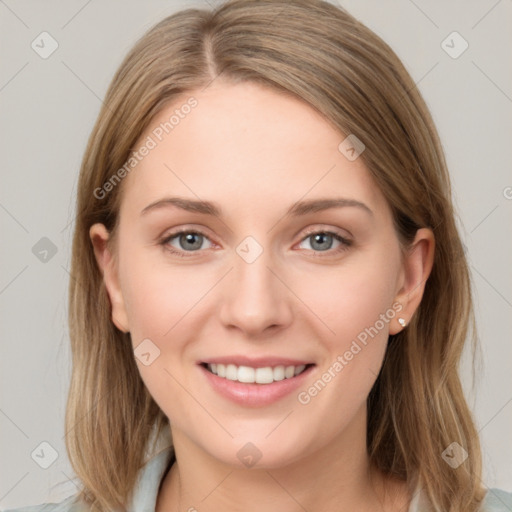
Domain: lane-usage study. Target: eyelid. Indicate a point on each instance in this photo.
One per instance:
(332, 231)
(187, 228)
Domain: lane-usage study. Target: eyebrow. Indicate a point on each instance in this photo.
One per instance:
(297, 209)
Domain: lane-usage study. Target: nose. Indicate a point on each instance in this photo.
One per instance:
(254, 299)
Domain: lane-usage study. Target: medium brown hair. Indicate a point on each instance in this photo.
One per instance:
(321, 55)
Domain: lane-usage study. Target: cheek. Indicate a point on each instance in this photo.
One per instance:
(159, 296)
(351, 298)
(160, 301)
(354, 303)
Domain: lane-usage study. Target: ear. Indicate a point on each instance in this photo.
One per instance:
(107, 264)
(417, 265)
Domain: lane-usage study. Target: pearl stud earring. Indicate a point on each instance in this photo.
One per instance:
(401, 321)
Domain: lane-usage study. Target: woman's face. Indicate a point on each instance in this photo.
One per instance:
(253, 285)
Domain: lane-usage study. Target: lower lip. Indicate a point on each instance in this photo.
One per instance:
(255, 395)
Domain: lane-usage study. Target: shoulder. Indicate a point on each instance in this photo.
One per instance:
(497, 500)
(70, 504)
(144, 497)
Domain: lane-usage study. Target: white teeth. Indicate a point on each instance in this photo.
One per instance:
(221, 370)
(246, 374)
(289, 372)
(299, 369)
(264, 375)
(279, 373)
(231, 372)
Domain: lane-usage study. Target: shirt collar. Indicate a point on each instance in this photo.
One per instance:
(148, 481)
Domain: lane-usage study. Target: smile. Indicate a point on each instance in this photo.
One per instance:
(250, 375)
(255, 382)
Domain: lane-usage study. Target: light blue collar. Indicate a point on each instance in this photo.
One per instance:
(148, 482)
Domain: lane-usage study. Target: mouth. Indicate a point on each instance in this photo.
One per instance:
(256, 375)
(255, 382)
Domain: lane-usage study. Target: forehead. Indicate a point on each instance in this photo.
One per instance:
(246, 146)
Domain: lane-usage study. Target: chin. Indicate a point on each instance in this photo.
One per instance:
(257, 451)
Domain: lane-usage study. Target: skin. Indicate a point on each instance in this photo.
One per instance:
(255, 152)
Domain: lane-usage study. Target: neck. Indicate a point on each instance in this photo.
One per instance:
(338, 476)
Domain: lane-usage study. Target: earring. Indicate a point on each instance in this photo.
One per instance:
(401, 321)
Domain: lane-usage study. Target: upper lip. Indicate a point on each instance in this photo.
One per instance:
(256, 362)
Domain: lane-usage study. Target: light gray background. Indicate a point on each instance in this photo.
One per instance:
(48, 110)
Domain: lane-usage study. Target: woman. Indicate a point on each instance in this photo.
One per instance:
(232, 145)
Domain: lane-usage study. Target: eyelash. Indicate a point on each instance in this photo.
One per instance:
(344, 242)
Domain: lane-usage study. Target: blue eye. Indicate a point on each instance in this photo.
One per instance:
(188, 241)
(322, 241)
(192, 241)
